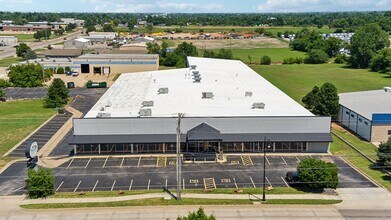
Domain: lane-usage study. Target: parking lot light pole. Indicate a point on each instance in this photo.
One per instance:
(266, 143)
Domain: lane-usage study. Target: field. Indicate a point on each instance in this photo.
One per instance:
(297, 80)
(276, 54)
(6, 62)
(18, 119)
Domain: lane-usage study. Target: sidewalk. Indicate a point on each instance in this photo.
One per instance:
(184, 195)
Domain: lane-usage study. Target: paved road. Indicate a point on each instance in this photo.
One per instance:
(11, 51)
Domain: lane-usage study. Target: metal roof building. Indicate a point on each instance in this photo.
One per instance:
(367, 113)
(226, 106)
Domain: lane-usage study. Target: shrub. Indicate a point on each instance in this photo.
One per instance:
(266, 60)
(60, 70)
(40, 183)
(341, 58)
(67, 69)
(316, 173)
(2, 94)
(381, 62)
(316, 57)
(293, 60)
(198, 215)
(57, 95)
(384, 154)
(4, 83)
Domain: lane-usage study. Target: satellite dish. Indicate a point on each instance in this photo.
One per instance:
(31, 149)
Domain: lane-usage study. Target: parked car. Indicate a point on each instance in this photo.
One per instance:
(71, 85)
(75, 73)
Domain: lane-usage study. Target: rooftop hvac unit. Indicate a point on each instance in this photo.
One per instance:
(259, 105)
(207, 95)
(103, 115)
(145, 112)
(248, 94)
(193, 67)
(387, 89)
(102, 109)
(196, 72)
(147, 104)
(108, 104)
(163, 91)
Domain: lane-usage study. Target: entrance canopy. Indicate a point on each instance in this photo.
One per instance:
(203, 132)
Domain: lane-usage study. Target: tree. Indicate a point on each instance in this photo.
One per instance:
(366, 42)
(4, 84)
(266, 60)
(381, 62)
(186, 49)
(327, 102)
(67, 69)
(57, 95)
(316, 57)
(108, 28)
(45, 34)
(341, 58)
(70, 27)
(59, 32)
(29, 75)
(131, 23)
(2, 94)
(90, 29)
(316, 173)
(250, 59)
(384, 154)
(22, 49)
(60, 70)
(311, 98)
(153, 48)
(222, 54)
(149, 28)
(198, 215)
(332, 46)
(29, 55)
(40, 183)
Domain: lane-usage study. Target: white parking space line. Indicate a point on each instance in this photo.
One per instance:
(149, 183)
(93, 189)
(139, 160)
(166, 183)
(236, 185)
(112, 187)
(105, 162)
(131, 183)
(122, 162)
(269, 182)
(298, 160)
(70, 163)
(77, 186)
(285, 182)
(284, 160)
(59, 186)
(252, 181)
(87, 163)
(183, 183)
(267, 161)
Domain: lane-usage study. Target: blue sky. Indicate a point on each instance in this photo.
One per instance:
(187, 6)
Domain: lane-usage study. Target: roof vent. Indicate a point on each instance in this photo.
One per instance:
(147, 104)
(102, 109)
(145, 112)
(197, 80)
(108, 104)
(196, 72)
(248, 94)
(193, 67)
(103, 115)
(387, 89)
(259, 105)
(163, 91)
(207, 95)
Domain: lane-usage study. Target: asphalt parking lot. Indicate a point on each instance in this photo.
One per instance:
(145, 173)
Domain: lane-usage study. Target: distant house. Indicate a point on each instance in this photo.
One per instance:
(144, 40)
(78, 22)
(63, 53)
(78, 43)
(8, 40)
(107, 35)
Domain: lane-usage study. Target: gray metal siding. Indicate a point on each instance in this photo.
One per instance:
(123, 126)
(364, 130)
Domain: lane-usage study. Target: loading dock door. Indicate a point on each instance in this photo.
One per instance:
(85, 68)
(106, 70)
(97, 70)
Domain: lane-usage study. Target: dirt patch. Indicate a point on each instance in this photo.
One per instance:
(262, 42)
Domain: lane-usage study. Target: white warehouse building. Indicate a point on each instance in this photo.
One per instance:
(226, 107)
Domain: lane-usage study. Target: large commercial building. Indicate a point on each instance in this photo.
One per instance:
(226, 107)
(367, 113)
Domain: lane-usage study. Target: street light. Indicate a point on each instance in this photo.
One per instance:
(266, 143)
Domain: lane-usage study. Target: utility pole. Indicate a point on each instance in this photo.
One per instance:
(178, 158)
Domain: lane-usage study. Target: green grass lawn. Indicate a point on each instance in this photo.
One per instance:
(18, 119)
(97, 194)
(338, 147)
(184, 201)
(6, 62)
(297, 80)
(276, 54)
(22, 37)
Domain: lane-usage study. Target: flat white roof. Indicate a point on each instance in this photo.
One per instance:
(368, 102)
(228, 80)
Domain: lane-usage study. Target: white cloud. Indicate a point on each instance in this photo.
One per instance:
(322, 5)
